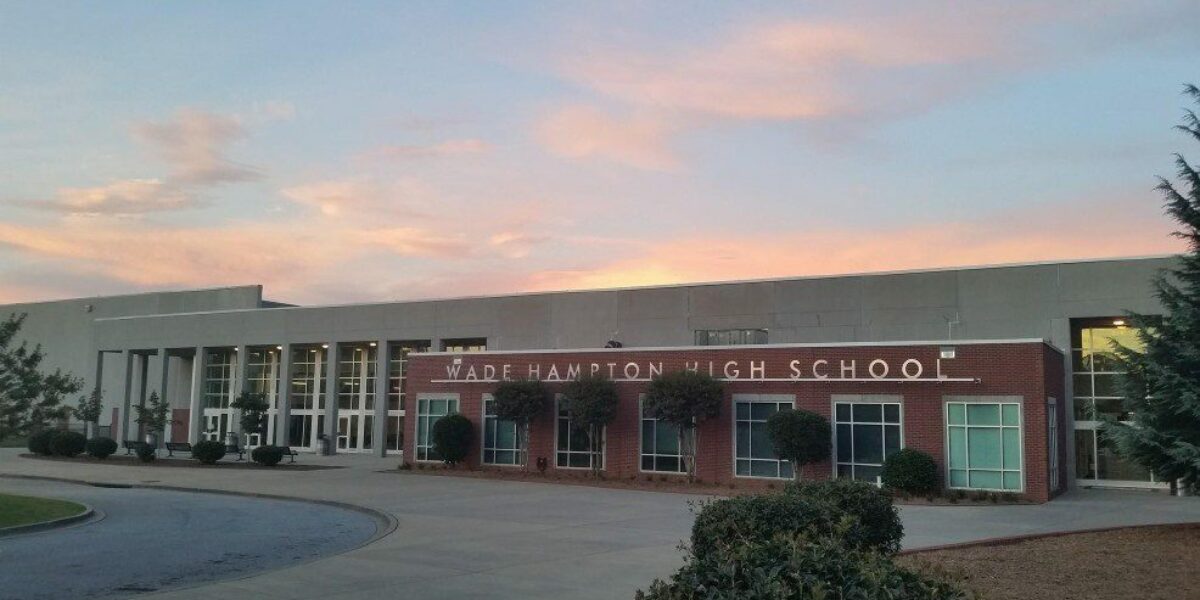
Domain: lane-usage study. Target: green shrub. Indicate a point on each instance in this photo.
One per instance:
(147, 453)
(911, 472)
(862, 514)
(267, 456)
(800, 436)
(452, 437)
(208, 451)
(877, 522)
(39, 443)
(796, 566)
(68, 443)
(101, 447)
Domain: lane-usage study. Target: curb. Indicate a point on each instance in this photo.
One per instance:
(1016, 539)
(88, 513)
(386, 523)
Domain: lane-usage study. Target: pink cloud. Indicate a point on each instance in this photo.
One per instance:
(356, 199)
(193, 144)
(586, 132)
(124, 197)
(448, 148)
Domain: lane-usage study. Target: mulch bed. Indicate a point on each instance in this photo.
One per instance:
(122, 460)
(660, 483)
(1140, 562)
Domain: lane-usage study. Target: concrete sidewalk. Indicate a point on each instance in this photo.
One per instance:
(473, 538)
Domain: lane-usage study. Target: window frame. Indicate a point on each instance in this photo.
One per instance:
(522, 454)
(851, 399)
(642, 449)
(456, 403)
(999, 401)
(558, 398)
(733, 422)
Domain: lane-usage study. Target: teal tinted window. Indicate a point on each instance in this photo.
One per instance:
(754, 456)
(983, 441)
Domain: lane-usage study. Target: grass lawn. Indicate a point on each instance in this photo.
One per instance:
(23, 510)
(1151, 562)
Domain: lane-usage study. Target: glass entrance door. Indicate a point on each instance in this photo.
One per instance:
(356, 396)
(306, 420)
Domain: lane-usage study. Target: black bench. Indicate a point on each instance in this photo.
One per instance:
(288, 452)
(131, 446)
(173, 447)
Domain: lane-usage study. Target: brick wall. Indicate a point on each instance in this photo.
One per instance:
(1030, 370)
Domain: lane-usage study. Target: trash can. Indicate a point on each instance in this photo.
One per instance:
(322, 445)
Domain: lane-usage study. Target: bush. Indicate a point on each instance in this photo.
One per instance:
(452, 436)
(800, 436)
(68, 443)
(878, 524)
(147, 453)
(208, 451)
(39, 443)
(101, 447)
(912, 472)
(859, 513)
(796, 566)
(267, 456)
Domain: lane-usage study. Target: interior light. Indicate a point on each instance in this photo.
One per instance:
(373, 344)
(324, 345)
(279, 347)
(1119, 322)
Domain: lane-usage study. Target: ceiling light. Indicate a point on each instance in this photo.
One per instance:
(1119, 322)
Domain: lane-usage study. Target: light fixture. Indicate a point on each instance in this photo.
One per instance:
(1119, 322)
(373, 344)
(324, 345)
(279, 347)
(458, 360)
(946, 352)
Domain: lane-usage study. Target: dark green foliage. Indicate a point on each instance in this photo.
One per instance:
(30, 400)
(800, 566)
(267, 456)
(1162, 389)
(800, 436)
(90, 407)
(863, 516)
(68, 443)
(254, 409)
(520, 400)
(911, 472)
(40, 443)
(592, 403)
(685, 399)
(452, 437)
(208, 451)
(101, 447)
(146, 453)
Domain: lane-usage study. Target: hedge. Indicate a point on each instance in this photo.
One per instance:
(101, 447)
(39, 443)
(208, 451)
(267, 456)
(911, 472)
(68, 443)
(452, 437)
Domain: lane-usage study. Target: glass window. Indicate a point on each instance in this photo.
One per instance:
(753, 455)
(662, 446)
(429, 410)
(984, 441)
(730, 337)
(573, 444)
(865, 432)
(397, 363)
(501, 444)
(464, 345)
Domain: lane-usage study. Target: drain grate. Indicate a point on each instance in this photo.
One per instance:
(103, 484)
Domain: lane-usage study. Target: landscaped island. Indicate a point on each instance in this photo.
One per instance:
(27, 510)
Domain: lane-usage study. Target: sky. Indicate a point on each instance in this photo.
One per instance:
(343, 152)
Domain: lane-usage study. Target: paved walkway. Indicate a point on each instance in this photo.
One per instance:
(471, 538)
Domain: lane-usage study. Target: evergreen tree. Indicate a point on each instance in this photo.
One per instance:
(1162, 387)
(29, 399)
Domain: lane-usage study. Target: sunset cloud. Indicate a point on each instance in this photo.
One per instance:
(193, 144)
(581, 132)
(460, 147)
(355, 199)
(126, 197)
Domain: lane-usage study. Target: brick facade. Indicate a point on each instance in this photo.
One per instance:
(1031, 370)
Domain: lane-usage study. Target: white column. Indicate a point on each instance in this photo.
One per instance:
(127, 396)
(240, 372)
(162, 391)
(283, 414)
(379, 431)
(196, 412)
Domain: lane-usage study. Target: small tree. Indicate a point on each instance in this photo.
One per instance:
(253, 407)
(29, 398)
(592, 403)
(452, 437)
(89, 409)
(1162, 385)
(153, 416)
(685, 399)
(520, 401)
(799, 436)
